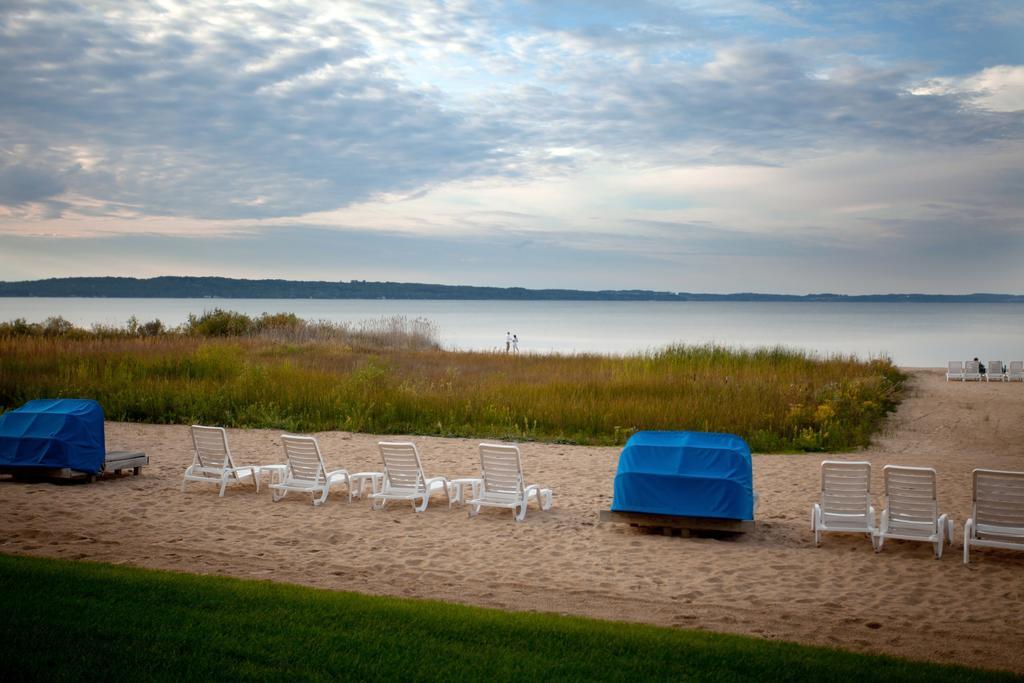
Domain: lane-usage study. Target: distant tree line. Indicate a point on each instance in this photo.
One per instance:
(229, 288)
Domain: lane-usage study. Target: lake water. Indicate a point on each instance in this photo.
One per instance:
(912, 334)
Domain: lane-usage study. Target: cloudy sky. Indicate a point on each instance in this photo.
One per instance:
(713, 146)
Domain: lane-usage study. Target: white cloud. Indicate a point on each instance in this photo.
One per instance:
(996, 88)
(659, 130)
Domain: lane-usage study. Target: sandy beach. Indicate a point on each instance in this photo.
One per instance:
(772, 583)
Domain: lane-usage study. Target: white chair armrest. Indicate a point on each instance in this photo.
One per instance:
(337, 474)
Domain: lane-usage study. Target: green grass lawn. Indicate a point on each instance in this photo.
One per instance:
(64, 620)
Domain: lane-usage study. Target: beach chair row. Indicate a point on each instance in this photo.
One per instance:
(968, 371)
(500, 484)
(911, 509)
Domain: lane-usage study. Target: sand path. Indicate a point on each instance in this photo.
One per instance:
(773, 583)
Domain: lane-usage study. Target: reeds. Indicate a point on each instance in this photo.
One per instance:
(391, 378)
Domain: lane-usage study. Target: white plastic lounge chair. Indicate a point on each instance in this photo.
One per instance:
(306, 472)
(972, 370)
(212, 461)
(1015, 373)
(997, 512)
(955, 371)
(912, 509)
(995, 372)
(501, 474)
(404, 478)
(845, 505)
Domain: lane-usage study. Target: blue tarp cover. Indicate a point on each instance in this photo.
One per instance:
(54, 433)
(692, 474)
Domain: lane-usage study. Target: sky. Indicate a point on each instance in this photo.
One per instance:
(699, 146)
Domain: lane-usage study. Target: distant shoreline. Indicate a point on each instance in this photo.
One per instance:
(172, 287)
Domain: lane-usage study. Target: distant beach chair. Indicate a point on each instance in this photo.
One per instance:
(845, 504)
(502, 484)
(995, 372)
(305, 471)
(404, 478)
(997, 512)
(1015, 373)
(212, 461)
(912, 509)
(972, 370)
(955, 371)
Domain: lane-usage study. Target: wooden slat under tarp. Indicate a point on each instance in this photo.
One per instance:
(670, 523)
(113, 464)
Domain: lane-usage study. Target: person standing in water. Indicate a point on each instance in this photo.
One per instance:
(515, 343)
(508, 341)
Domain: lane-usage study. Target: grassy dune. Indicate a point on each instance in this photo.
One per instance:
(394, 380)
(73, 620)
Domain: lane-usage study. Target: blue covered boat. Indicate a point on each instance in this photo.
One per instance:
(53, 434)
(685, 474)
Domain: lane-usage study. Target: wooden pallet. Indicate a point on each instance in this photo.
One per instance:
(685, 526)
(114, 463)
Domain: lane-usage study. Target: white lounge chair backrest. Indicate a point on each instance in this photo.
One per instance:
(912, 508)
(306, 472)
(995, 367)
(845, 491)
(404, 478)
(212, 461)
(1016, 370)
(999, 503)
(955, 370)
(502, 483)
(972, 369)
(403, 470)
(911, 497)
(211, 447)
(305, 462)
(501, 469)
(997, 511)
(845, 502)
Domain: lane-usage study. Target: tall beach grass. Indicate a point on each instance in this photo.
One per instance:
(392, 376)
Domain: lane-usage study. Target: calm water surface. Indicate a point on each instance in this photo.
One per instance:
(913, 334)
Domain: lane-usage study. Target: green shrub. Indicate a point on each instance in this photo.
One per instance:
(219, 323)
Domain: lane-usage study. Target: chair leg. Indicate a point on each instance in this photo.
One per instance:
(521, 515)
(223, 485)
(317, 502)
(814, 525)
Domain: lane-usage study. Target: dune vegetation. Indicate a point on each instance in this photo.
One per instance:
(391, 376)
